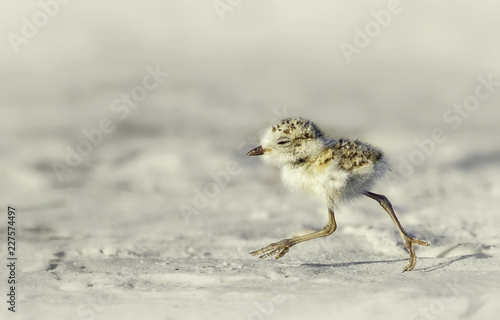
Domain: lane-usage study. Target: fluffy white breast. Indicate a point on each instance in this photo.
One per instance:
(321, 180)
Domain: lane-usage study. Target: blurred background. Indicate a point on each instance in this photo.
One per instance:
(233, 68)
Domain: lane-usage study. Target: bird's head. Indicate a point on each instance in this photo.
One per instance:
(291, 140)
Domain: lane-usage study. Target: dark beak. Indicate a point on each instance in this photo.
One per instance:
(256, 151)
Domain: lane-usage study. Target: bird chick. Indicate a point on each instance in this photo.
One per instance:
(335, 170)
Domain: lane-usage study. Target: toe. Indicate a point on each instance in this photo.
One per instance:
(422, 242)
(411, 264)
(282, 253)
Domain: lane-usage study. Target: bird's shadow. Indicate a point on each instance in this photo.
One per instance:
(347, 264)
(438, 266)
(441, 265)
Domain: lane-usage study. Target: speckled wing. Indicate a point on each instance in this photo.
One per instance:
(353, 154)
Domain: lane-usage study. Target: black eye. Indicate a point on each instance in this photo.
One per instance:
(283, 141)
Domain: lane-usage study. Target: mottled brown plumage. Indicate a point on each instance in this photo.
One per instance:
(354, 153)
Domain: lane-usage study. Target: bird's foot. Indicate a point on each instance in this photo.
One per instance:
(277, 249)
(409, 242)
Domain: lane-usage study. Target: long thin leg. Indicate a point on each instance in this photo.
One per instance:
(279, 249)
(407, 240)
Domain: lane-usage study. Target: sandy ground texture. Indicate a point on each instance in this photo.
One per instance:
(124, 130)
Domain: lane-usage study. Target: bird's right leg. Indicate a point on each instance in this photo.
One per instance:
(407, 240)
(280, 248)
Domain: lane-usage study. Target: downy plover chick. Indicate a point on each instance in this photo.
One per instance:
(336, 170)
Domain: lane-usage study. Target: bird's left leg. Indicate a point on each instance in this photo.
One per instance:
(280, 248)
(407, 240)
